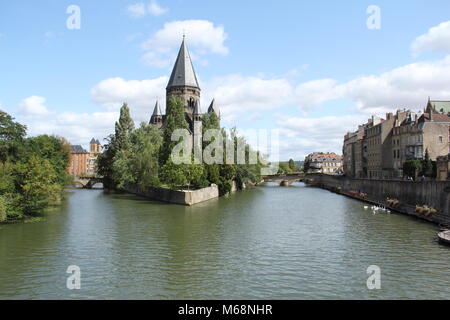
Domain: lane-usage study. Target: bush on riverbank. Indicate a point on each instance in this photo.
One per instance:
(32, 170)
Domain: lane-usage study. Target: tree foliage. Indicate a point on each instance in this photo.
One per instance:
(427, 166)
(33, 171)
(143, 156)
(412, 168)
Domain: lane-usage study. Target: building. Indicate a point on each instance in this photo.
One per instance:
(327, 163)
(183, 84)
(387, 144)
(353, 152)
(95, 149)
(78, 160)
(443, 167)
(82, 162)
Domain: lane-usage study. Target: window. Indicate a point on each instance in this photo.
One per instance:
(441, 139)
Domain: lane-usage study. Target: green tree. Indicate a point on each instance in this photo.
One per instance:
(292, 165)
(123, 129)
(412, 168)
(211, 171)
(11, 136)
(195, 175)
(122, 173)
(284, 168)
(54, 149)
(38, 184)
(173, 175)
(105, 162)
(427, 165)
(175, 119)
(146, 145)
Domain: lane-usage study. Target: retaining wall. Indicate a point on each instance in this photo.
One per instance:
(184, 197)
(434, 194)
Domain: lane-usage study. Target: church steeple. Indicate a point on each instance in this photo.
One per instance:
(183, 73)
(213, 108)
(157, 116)
(183, 82)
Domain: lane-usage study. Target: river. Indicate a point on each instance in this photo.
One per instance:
(268, 242)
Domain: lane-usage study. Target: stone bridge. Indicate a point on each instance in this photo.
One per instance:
(285, 180)
(87, 182)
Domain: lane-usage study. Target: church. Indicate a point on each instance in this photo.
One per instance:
(184, 85)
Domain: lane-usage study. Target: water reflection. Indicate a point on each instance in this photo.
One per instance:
(268, 242)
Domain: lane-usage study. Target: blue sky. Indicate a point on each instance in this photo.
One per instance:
(310, 68)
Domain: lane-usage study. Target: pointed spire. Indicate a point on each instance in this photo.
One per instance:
(157, 110)
(183, 73)
(197, 108)
(213, 108)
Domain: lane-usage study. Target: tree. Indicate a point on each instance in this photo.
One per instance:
(175, 119)
(11, 136)
(284, 168)
(37, 177)
(123, 128)
(173, 175)
(122, 173)
(146, 145)
(427, 165)
(195, 175)
(412, 168)
(292, 165)
(54, 149)
(105, 162)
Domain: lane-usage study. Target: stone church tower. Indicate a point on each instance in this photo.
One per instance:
(184, 85)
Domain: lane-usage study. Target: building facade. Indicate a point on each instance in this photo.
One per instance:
(183, 84)
(95, 148)
(327, 163)
(82, 162)
(388, 143)
(78, 160)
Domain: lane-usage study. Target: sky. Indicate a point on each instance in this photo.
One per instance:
(313, 70)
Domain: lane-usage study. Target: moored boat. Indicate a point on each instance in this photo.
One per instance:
(444, 237)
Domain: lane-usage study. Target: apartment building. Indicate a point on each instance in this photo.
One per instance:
(387, 143)
(328, 163)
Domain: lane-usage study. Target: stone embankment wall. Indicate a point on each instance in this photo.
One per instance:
(435, 194)
(184, 197)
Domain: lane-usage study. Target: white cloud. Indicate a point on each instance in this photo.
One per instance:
(236, 94)
(300, 136)
(153, 8)
(140, 95)
(33, 106)
(141, 9)
(436, 39)
(404, 87)
(137, 10)
(203, 38)
(78, 128)
(310, 94)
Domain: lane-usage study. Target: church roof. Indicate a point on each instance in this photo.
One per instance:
(157, 110)
(213, 108)
(183, 73)
(440, 106)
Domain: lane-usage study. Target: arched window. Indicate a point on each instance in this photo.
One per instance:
(191, 103)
